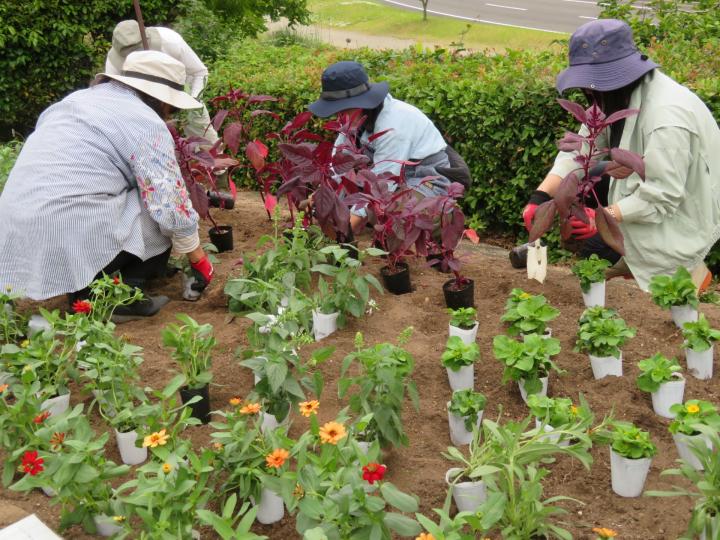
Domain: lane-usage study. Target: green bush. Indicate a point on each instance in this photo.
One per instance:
(8, 154)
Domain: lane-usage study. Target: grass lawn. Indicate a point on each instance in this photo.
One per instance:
(372, 17)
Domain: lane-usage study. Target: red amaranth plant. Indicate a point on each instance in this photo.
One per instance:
(580, 184)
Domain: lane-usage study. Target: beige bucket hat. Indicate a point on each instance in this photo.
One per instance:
(126, 39)
(158, 75)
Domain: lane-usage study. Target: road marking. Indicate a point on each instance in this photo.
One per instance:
(506, 7)
(581, 2)
(473, 19)
(586, 17)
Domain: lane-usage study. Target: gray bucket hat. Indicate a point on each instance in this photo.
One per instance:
(126, 39)
(345, 85)
(603, 57)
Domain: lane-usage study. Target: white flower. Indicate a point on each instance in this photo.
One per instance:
(371, 306)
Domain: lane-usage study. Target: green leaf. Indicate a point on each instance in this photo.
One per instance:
(402, 525)
(398, 499)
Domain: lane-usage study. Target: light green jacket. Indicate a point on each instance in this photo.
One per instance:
(673, 218)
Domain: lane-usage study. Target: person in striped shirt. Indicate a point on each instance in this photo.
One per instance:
(97, 189)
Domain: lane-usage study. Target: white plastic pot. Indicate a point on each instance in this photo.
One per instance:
(48, 491)
(468, 496)
(324, 324)
(682, 443)
(459, 435)
(364, 446)
(683, 314)
(700, 364)
(271, 508)
(37, 323)
(628, 475)
(542, 392)
(56, 405)
(602, 366)
(270, 423)
(467, 336)
(551, 437)
(129, 452)
(667, 395)
(106, 526)
(714, 528)
(463, 378)
(546, 335)
(595, 296)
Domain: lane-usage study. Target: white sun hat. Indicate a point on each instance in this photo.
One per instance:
(126, 39)
(158, 75)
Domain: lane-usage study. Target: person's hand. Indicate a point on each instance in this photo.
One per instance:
(528, 215)
(202, 272)
(582, 230)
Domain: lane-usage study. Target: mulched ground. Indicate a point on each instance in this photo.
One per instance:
(420, 468)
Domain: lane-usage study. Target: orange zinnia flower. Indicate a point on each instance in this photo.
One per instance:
(332, 432)
(604, 533)
(250, 408)
(3, 387)
(309, 407)
(277, 457)
(425, 536)
(159, 438)
(40, 418)
(235, 401)
(56, 440)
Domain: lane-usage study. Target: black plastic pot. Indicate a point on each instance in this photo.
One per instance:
(222, 237)
(200, 409)
(399, 282)
(462, 298)
(221, 199)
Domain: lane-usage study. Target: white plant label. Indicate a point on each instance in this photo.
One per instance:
(537, 261)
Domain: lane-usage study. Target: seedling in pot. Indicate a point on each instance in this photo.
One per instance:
(527, 313)
(527, 361)
(601, 335)
(699, 347)
(468, 405)
(677, 293)
(661, 376)
(591, 273)
(464, 318)
(558, 412)
(459, 359)
(631, 453)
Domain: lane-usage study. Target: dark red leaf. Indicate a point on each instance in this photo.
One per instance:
(472, 236)
(619, 115)
(629, 159)
(379, 134)
(258, 112)
(578, 212)
(296, 123)
(566, 229)
(261, 99)
(199, 199)
(231, 135)
(256, 153)
(298, 154)
(324, 202)
(566, 194)
(219, 119)
(575, 109)
(544, 217)
(609, 230)
(616, 170)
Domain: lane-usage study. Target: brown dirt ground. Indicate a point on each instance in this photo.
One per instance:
(420, 468)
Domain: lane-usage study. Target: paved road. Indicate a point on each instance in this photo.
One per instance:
(551, 15)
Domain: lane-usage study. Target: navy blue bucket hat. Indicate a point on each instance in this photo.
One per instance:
(345, 85)
(603, 57)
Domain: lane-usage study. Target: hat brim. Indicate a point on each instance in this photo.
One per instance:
(605, 77)
(176, 98)
(369, 100)
(115, 59)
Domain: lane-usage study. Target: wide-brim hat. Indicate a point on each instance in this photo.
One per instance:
(126, 39)
(603, 57)
(345, 85)
(158, 75)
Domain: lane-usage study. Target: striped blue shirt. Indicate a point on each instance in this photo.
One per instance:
(97, 177)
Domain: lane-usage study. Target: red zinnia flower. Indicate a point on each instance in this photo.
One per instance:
(40, 418)
(31, 463)
(373, 472)
(82, 306)
(116, 280)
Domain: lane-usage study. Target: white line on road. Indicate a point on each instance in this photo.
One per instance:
(586, 17)
(416, 8)
(506, 7)
(581, 2)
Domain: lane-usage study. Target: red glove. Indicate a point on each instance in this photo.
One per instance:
(529, 214)
(202, 272)
(583, 231)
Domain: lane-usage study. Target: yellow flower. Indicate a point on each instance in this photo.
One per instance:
(277, 457)
(692, 408)
(217, 446)
(24, 343)
(525, 296)
(166, 468)
(27, 369)
(425, 536)
(118, 519)
(235, 401)
(309, 407)
(250, 408)
(573, 409)
(604, 533)
(298, 492)
(332, 432)
(159, 438)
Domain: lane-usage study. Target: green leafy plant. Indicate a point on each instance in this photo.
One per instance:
(527, 360)
(558, 412)
(698, 335)
(675, 290)
(631, 442)
(705, 516)
(602, 332)
(467, 404)
(692, 413)
(656, 370)
(527, 313)
(12, 323)
(464, 318)
(234, 523)
(590, 270)
(458, 354)
(193, 344)
(381, 382)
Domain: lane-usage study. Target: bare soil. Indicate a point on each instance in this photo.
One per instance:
(420, 468)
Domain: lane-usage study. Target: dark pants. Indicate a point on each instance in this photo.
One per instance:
(132, 270)
(596, 245)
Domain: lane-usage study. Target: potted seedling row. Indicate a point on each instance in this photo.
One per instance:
(677, 293)
(631, 453)
(685, 431)
(699, 347)
(463, 324)
(601, 335)
(459, 360)
(465, 411)
(527, 362)
(591, 273)
(527, 314)
(662, 378)
(192, 345)
(553, 414)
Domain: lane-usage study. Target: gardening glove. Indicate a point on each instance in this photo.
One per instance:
(581, 230)
(202, 272)
(189, 293)
(536, 199)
